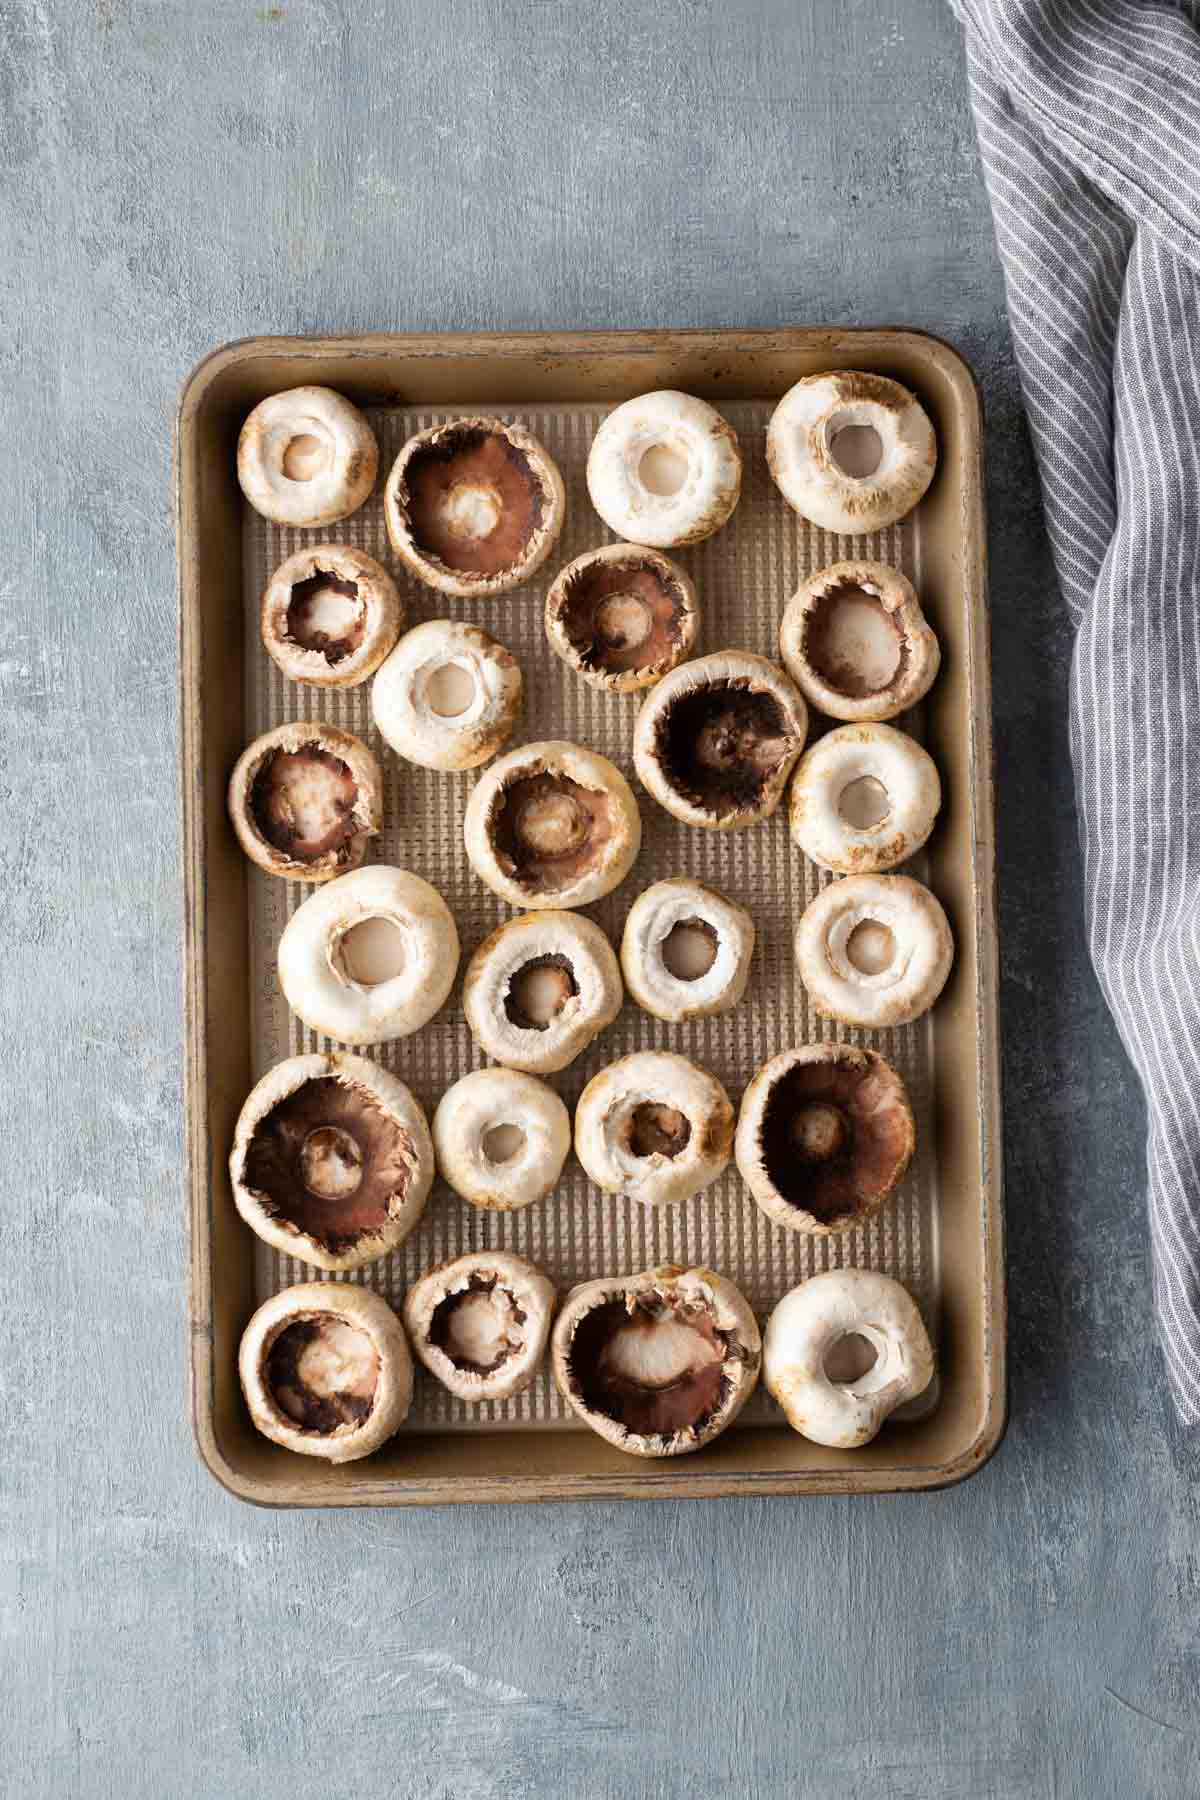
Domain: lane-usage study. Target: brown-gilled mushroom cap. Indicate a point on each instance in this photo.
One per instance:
(306, 457)
(330, 615)
(825, 1133)
(332, 1160)
(540, 988)
(303, 800)
(660, 1363)
(815, 444)
(552, 825)
(326, 1370)
(856, 643)
(474, 507)
(480, 1324)
(717, 738)
(622, 616)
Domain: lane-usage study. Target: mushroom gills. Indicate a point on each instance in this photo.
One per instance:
(621, 616)
(658, 1130)
(327, 614)
(833, 1135)
(323, 1373)
(473, 502)
(721, 743)
(303, 802)
(479, 1327)
(653, 1366)
(328, 1162)
(547, 830)
(853, 643)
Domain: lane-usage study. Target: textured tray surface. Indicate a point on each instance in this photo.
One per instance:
(744, 577)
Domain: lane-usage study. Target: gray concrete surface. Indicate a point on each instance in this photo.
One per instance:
(176, 175)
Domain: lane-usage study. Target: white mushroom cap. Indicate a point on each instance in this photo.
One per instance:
(330, 615)
(404, 697)
(479, 1116)
(825, 1133)
(874, 950)
(335, 1355)
(480, 1324)
(803, 456)
(622, 616)
(855, 641)
(659, 1363)
(562, 951)
(306, 457)
(805, 1327)
(552, 825)
(654, 1126)
(681, 904)
(303, 800)
(698, 448)
(716, 740)
(332, 1160)
(863, 798)
(474, 506)
(350, 988)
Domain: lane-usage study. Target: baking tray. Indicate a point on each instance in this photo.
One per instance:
(941, 1235)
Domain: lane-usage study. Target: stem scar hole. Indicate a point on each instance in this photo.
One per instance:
(655, 1129)
(331, 1163)
(538, 992)
(857, 450)
(870, 947)
(864, 803)
(689, 949)
(623, 621)
(372, 951)
(662, 470)
(849, 1358)
(502, 1142)
(305, 457)
(450, 690)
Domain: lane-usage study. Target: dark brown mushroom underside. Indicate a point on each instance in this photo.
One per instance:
(837, 1136)
(441, 1325)
(303, 802)
(546, 830)
(835, 652)
(719, 745)
(660, 1130)
(473, 459)
(329, 1162)
(621, 616)
(307, 1407)
(684, 1404)
(309, 615)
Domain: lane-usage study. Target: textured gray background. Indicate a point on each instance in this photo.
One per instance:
(175, 175)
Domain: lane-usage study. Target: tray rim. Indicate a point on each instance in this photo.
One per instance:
(678, 1478)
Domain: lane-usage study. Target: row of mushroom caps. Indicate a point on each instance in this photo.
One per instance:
(333, 1159)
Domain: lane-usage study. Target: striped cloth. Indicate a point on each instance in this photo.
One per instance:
(1088, 115)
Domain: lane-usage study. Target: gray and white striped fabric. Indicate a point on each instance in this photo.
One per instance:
(1088, 115)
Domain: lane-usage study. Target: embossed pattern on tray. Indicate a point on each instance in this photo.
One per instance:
(744, 577)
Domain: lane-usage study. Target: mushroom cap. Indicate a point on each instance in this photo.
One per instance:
(332, 1160)
(329, 615)
(680, 902)
(804, 1328)
(622, 616)
(474, 506)
(659, 1363)
(552, 825)
(563, 943)
(404, 711)
(824, 1135)
(903, 928)
(692, 431)
(485, 1101)
(800, 450)
(694, 745)
(339, 1353)
(654, 1126)
(301, 779)
(488, 1304)
(821, 811)
(338, 463)
(856, 643)
(319, 984)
